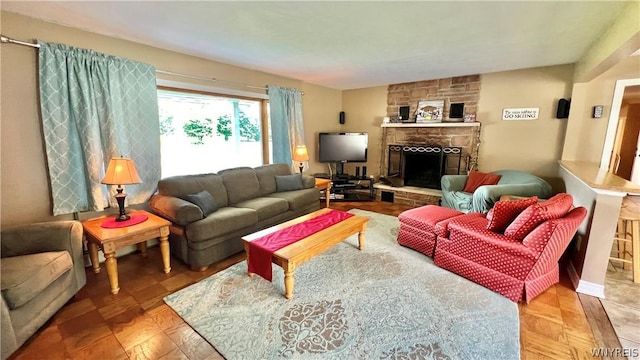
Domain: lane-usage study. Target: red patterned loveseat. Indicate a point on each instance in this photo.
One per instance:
(514, 250)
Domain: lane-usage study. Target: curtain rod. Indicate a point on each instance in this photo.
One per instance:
(8, 40)
(264, 88)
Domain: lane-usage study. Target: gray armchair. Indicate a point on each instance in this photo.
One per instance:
(512, 182)
(42, 267)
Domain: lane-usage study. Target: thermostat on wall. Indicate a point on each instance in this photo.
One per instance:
(597, 111)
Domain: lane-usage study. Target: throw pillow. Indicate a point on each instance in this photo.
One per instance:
(289, 182)
(503, 213)
(477, 179)
(534, 215)
(204, 201)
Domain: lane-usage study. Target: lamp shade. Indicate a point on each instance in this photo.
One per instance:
(121, 171)
(300, 153)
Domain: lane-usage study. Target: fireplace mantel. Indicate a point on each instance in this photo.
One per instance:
(422, 125)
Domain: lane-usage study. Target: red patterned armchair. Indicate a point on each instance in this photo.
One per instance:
(515, 249)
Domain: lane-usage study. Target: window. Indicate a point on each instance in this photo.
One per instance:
(203, 132)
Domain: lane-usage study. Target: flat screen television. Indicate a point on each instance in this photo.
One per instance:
(342, 147)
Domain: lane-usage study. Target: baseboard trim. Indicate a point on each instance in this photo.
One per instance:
(587, 288)
(573, 275)
(584, 287)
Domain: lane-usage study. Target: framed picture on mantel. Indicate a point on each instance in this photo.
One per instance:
(429, 111)
(470, 117)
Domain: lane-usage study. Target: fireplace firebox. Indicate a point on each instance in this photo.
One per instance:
(423, 166)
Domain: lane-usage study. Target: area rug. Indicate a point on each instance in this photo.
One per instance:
(384, 302)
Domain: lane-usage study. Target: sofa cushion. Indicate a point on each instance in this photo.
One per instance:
(221, 222)
(181, 186)
(298, 199)
(241, 184)
(204, 201)
(503, 213)
(26, 276)
(288, 182)
(426, 217)
(554, 208)
(442, 227)
(266, 207)
(267, 176)
(477, 179)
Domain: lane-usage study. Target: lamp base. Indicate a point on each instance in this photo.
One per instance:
(120, 196)
(122, 217)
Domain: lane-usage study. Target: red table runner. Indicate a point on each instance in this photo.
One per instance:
(135, 219)
(261, 250)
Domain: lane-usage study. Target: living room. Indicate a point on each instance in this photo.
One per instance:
(588, 81)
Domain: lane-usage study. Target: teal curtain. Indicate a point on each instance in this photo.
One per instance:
(95, 107)
(287, 126)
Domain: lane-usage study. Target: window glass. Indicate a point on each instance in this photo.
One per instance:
(205, 133)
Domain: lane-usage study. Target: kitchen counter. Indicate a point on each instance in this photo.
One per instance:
(597, 178)
(601, 193)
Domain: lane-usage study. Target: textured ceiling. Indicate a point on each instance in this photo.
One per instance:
(347, 45)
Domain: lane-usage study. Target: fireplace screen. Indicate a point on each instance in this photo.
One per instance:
(423, 166)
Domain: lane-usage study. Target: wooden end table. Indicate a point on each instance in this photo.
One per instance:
(109, 240)
(324, 184)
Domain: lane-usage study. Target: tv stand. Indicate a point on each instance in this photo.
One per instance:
(340, 169)
(352, 188)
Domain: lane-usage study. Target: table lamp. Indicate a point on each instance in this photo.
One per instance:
(300, 154)
(121, 171)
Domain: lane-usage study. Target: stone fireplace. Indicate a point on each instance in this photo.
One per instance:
(438, 148)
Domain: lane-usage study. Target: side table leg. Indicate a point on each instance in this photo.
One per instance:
(143, 248)
(361, 239)
(93, 255)
(327, 194)
(112, 271)
(164, 250)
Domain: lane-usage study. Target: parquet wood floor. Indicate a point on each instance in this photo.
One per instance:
(136, 324)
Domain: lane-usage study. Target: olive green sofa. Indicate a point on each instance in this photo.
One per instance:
(246, 200)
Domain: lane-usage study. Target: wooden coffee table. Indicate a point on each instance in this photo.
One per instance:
(291, 256)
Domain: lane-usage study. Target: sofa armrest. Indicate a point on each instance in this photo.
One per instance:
(308, 182)
(43, 237)
(174, 209)
(9, 341)
(453, 182)
(487, 195)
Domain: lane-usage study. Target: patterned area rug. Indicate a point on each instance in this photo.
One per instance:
(384, 302)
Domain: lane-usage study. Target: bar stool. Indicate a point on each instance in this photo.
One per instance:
(627, 236)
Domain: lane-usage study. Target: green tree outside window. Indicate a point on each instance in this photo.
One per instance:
(166, 126)
(249, 131)
(223, 128)
(198, 129)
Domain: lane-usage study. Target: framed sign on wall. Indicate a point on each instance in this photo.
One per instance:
(520, 114)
